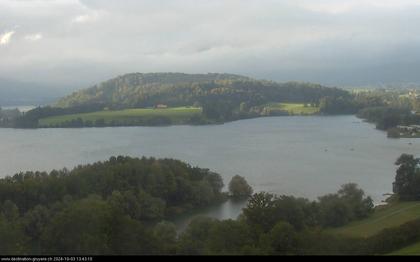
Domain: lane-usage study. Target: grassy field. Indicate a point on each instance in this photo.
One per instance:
(175, 114)
(294, 108)
(407, 251)
(388, 216)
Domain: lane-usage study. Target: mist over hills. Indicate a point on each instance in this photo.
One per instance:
(14, 93)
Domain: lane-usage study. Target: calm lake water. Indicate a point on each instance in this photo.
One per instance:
(302, 156)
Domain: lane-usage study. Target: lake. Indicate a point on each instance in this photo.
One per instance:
(303, 156)
(20, 108)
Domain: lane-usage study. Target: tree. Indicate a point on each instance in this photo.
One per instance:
(243, 107)
(239, 187)
(82, 228)
(127, 236)
(166, 236)
(407, 179)
(298, 212)
(259, 211)
(35, 221)
(334, 211)
(348, 204)
(10, 211)
(229, 237)
(281, 240)
(12, 238)
(193, 240)
(337, 105)
(354, 196)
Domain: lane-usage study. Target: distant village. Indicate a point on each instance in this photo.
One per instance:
(412, 131)
(410, 128)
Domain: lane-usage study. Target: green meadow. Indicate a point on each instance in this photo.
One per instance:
(175, 114)
(408, 251)
(387, 216)
(294, 108)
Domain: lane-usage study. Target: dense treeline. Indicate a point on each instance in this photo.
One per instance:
(207, 236)
(111, 207)
(30, 118)
(387, 117)
(264, 210)
(392, 239)
(119, 207)
(135, 121)
(285, 225)
(173, 184)
(389, 109)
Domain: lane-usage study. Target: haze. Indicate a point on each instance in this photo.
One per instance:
(340, 43)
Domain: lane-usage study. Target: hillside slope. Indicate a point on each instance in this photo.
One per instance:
(139, 90)
(134, 87)
(389, 216)
(412, 250)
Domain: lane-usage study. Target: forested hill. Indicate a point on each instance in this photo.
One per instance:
(176, 89)
(135, 89)
(176, 98)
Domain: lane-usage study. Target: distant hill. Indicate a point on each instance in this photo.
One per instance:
(217, 97)
(178, 89)
(14, 93)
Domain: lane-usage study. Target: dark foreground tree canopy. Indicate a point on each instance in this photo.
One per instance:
(121, 207)
(168, 186)
(102, 208)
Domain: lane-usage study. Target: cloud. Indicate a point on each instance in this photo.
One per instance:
(346, 6)
(327, 41)
(86, 18)
(6, 37)
(33, 37)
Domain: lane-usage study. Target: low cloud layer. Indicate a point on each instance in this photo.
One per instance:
(33, 37)
(79, 42)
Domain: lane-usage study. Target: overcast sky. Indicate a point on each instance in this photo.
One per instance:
(333, 42)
